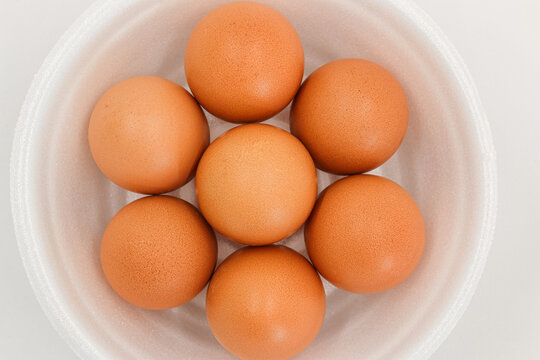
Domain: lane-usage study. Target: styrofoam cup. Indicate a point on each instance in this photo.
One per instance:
(62, 203)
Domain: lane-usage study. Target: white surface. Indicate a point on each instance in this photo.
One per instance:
(503, 320)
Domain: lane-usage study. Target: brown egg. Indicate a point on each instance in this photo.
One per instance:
(256, 184)
(265, 303)
(366, 234)
(158, 252)
(244, 62)
(147, 134)
(351, 114)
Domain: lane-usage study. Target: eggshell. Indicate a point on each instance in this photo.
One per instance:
(158, 252)
(265, 303)
(351, 114)
(147, 134)
(366, 234)
(244, 62)
(256, 184)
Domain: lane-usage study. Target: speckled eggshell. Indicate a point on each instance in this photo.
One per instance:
(366, 234)
(265, 303)
(158, 252)
(256, 184)
(146, 134)
(351, 114)
(244, 62)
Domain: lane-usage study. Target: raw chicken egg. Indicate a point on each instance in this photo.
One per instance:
(265, 303)
(351, 114)
(256, 184)
(158, 252)
(366, 234)
(147, 134)
(244, 62)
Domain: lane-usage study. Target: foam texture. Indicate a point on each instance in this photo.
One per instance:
(62, 203)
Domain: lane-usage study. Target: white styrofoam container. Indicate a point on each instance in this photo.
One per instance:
(62, 203)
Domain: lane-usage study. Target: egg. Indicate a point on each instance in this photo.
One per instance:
(265, 303)
(366, 234)
(351, 114)
(158, 252)
(146, 134)
(256, 184)
(244, 62)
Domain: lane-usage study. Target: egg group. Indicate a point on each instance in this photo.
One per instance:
(255, 184)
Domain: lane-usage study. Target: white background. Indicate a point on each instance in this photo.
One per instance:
(500, 42)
